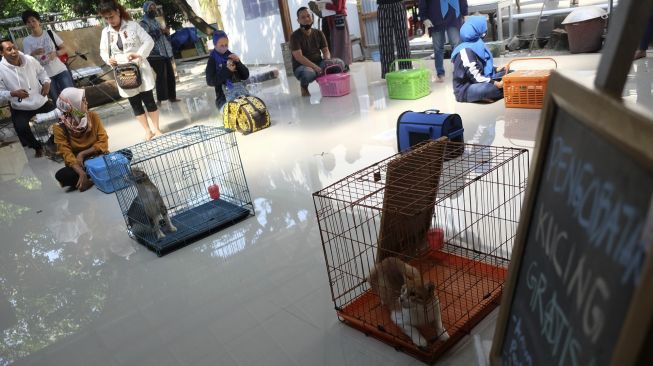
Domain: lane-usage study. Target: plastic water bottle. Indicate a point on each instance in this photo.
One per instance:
(51, 116)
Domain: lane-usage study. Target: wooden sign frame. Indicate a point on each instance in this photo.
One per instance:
(630, 129)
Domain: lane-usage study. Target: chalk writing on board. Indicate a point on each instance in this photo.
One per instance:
(589, 291)
(519, 355)
(554, 324)
(647, 234)
(599, 209)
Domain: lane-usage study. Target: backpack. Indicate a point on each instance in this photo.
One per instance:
(246, 114)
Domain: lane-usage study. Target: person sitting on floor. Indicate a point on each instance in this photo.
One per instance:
(475, 79)
(223, 68)
(79, 136)
(310, 52)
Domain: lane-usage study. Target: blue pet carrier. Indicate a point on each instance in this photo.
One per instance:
(99, 174)
(415, 127)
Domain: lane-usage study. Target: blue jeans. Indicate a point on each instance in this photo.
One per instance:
(60, 82)
(482, 92)
(306, 75)
(648, 34)
(438, 45)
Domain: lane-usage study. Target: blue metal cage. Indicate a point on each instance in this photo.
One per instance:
(186, 166)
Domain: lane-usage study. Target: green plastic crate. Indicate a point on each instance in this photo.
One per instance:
(408, 84)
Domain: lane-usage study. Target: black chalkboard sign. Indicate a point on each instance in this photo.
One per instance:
(580, 287)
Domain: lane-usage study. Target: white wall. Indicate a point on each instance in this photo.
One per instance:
(258, 41)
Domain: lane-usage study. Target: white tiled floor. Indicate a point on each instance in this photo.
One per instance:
(76, 290)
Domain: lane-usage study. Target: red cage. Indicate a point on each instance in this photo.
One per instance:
(453, 221)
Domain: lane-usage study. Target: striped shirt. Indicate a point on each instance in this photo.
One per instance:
(162, 46)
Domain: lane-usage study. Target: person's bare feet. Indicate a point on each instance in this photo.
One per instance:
(158, 133)
(148, 135)
(305, 92)
(639, 54)
(439, 79)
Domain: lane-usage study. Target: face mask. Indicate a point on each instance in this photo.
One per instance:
(307, 26)
(152, 13)
(222, 49)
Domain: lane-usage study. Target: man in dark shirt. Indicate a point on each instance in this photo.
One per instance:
(309, 50)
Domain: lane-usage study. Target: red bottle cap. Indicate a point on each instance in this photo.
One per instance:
(214, 191)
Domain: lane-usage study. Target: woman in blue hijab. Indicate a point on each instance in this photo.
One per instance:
(475, 79)
(223, 67)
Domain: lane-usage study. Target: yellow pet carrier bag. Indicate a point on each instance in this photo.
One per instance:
(246, 114)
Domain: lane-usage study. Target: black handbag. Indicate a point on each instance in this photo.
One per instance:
(128, 76)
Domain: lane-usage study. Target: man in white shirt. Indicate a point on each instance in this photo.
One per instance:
(47, 47)
(23, 82)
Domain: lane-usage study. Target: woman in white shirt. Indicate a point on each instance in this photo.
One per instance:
(46, 47)
(123, 41)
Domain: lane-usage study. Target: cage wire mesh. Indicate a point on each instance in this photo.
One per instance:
(453, 221)
(199, 176)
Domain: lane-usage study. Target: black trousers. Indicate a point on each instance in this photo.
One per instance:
(327, 34)
(393, 33)
(166, 86)
(21, 119)
(137, 101)
(67, 177)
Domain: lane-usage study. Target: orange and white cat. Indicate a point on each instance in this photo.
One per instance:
(411, 302)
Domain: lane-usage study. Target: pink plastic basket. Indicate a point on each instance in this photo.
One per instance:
(334, 85)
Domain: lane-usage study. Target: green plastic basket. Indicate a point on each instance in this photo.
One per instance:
(408, 84)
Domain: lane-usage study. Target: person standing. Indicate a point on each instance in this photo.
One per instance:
(24, 82)
(161, 56)
(123, 41)
(46, 47)
(645, 40)
(393, 34)
(440, 17)
(335, 28)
